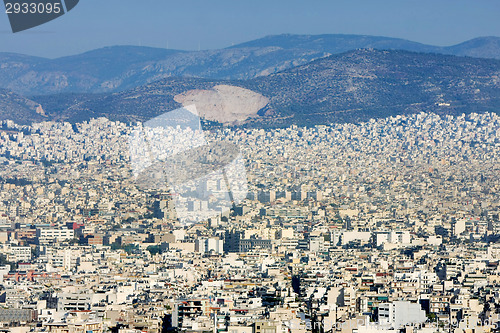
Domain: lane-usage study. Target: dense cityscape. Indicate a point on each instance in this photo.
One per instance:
(390, 225)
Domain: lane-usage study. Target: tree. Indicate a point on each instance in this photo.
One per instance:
(432, 317)
(154, 249)
(4, 262)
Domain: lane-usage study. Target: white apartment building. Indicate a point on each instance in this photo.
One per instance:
(206, 245)
(48, 235)
(399, 314)
(19, 254)
(392, 237)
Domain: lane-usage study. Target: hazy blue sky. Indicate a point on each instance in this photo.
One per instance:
(189, 24)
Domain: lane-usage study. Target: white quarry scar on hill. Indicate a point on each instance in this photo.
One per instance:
(224, 103)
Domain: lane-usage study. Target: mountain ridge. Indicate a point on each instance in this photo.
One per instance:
(349, 87)
(118, 68)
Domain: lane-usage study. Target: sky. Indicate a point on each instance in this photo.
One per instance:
(205, 24)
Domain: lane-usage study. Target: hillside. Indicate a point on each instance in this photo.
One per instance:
(353, 86)
(20, 109)
(119, 68)
(362, 84)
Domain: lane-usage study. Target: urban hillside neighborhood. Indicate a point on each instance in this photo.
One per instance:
(387, 225)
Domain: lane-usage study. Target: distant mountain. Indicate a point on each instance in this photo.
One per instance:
(353, 86)
(483, 47)
(364, 84)
(116, 68)
(337, 43)
(119, 68)
(91, 71)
